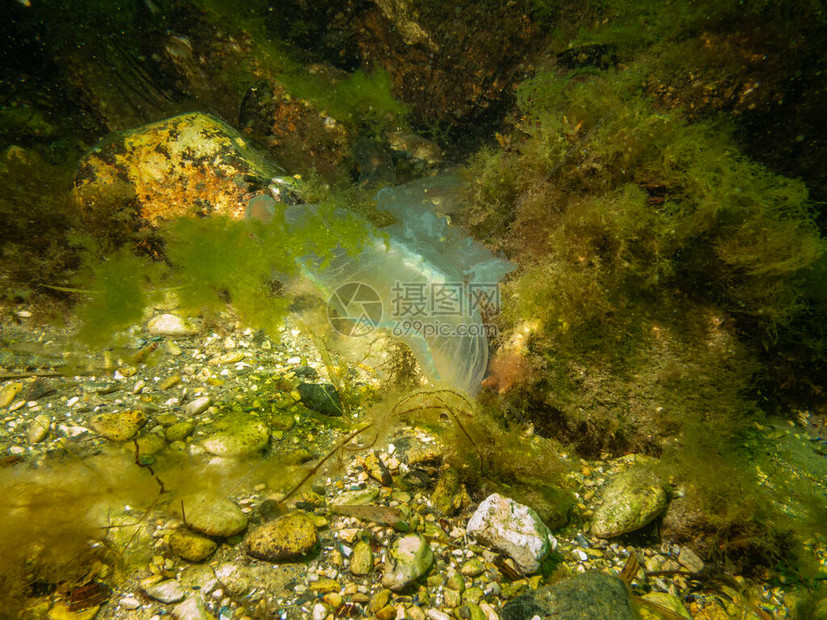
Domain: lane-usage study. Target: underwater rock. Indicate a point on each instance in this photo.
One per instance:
(190, 546)
(628, 501)
(287, 538)
(185, 165)
(321, 397)
(449, 495)
(191, 609)
(665, 600)
(197, 405)
(8, 393)
(39, 428)
(237, 435)
(180, 430)
(415, 147)
(409, 558)
(169, 325)
(553, 504)
(167, 591)
(372, 164)
(150, 445)
(361, 562)
(513, 529)
(452, 65)
(118, 426)
(591, 595)
(213, 516)
(472, 568)
(299, 135)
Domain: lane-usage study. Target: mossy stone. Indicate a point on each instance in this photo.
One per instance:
(150, 445)
(287, 538)
(191, 546)
(213, 516)
(475, 612)
(379, 600)
(410, 557)
(449, 494)
(119, 426)
(472, 568)
(472, 595)
(628, 502)
(361, 563)
(180, 430)
(238, 435)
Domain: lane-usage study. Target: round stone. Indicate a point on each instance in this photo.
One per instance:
(191, 546)
(361, 562)
(169, 325)
(410, 558)
(167, 591)
(287, 538)
(628, 502)
(120, 426)
(238, 435)
(213, 516)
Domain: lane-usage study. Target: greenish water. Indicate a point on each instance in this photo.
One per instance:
(598, 224)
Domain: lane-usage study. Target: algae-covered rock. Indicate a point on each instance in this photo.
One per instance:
(361, 562)
(237, 435)
(628, 502)
(589, 596)
(149, 446)
(169, 325)
(213, 516)
(410, 557)
(661, 599)
(321, 397)
(119, 426)
(9, 391)
(170, 168)
(449, 494)
(190, 546)
(180, 430)
(513, 529)
(287, 538)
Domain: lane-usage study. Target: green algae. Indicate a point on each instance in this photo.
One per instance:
(37, 215)
(657, 262)
(360, 98)
(210, 262)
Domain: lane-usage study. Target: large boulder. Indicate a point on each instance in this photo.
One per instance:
(192, 164)
(589, 596)
(628, 501)
(513, 529)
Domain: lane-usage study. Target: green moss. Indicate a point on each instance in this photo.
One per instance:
(361, 98)
(122, 280)
(37, 214)
(654, 261)
(653, 202)
(212, 261)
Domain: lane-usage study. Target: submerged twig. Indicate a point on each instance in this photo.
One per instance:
(324, 460)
